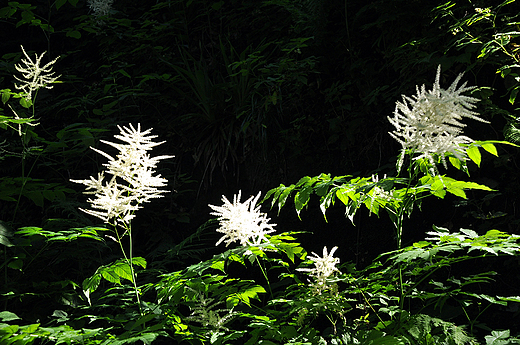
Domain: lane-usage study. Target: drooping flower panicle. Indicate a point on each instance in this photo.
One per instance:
(324, 267)
(100, 7)
(242, 222)
(429, 122)
(34, 75)
(133, 180)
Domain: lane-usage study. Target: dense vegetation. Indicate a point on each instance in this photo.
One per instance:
(288, 97)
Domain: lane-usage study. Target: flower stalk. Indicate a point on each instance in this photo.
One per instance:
(133, 182)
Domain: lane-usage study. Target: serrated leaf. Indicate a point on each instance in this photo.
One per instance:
(111, 276)
(91, 284)
(139, 261)
(123, 270)
(458, 192)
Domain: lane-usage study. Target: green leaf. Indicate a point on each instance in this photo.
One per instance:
(474, 154)
(26, 103)
(284, 195)
(111, 276)
(109, 105)
(8, 316)
(60, 3)
(5, 96)
(36, 197)
(468, 185)
(302, 198)
(498, 338)
(74, 34)
(219, 265)
(455, 162)
(123, 270)
(91, 284)
(458, 192)
(244, 296)
(489, 147)
(142, 320)
(342, 195)
(139, 261)
(16, 264)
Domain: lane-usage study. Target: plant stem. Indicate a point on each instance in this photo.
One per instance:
(265, 275)
(129, 260)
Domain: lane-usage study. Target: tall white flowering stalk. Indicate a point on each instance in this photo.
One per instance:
(324, 267)
(100, 7)
(429, 123)
(242, 222)
(34, 76)
(132, 182)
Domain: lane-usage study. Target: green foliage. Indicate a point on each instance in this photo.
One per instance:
(305, 88)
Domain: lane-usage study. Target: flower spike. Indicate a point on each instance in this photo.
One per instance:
(430, 121)
(35, 76)
(242, 222)
(133, 180)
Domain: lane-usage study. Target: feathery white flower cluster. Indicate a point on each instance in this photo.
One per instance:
(324, 267)
(242, 221)
(205, 314)
(34, 76)
(429, 122)
(100, 7)
(135, 168)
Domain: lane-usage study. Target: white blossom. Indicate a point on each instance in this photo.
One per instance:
(133, 180)
(429, 122)
(100, 7)
(242, 222)
(34, 75)
(323, 268)
(204, 312)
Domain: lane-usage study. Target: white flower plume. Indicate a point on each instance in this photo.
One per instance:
(100, 7)
(204, 312)
(133, 180)
(242, 221)
(430, 121)
(34, 76)
(324, 267)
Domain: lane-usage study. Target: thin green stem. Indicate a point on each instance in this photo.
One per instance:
(369, 304)
(129, 259)
(265, 275)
